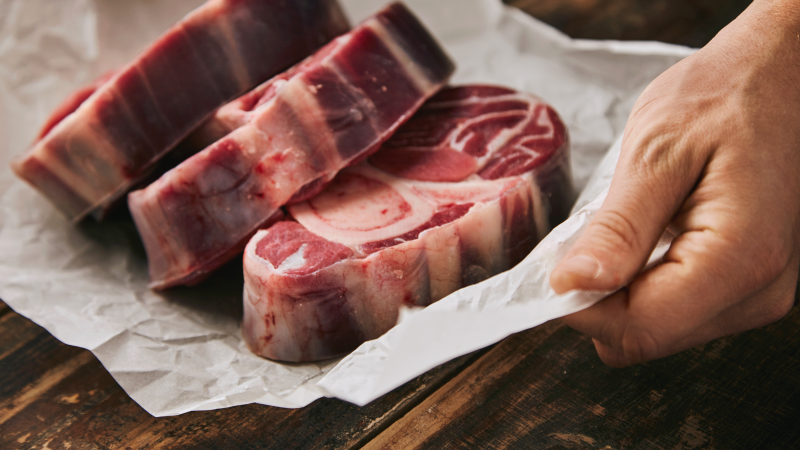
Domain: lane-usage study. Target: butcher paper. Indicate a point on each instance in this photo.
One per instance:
(181, 350)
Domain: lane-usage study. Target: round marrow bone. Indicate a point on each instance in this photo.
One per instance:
(461, 192)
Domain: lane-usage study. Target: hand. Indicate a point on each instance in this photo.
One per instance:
(712, 150)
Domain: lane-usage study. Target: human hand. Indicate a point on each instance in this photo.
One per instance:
(712, 150)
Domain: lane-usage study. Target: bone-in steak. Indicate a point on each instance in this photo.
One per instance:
(289, 139)
(106, 137)
(462, 194)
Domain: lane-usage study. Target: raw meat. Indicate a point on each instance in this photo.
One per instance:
(292, 136)
(487, 131)
(466, 201)
(106, 137)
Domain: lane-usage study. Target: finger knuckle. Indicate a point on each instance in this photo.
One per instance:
(779, 309)
(771, 257)
(659, 151)
(617, 231)
(777, 260)
(655, 154)
(639, 345)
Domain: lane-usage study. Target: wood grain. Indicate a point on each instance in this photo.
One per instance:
(546, 388)
(57, 396)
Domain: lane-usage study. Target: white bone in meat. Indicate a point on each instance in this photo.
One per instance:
(405, 228)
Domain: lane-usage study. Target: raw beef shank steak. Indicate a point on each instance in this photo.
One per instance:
(462, 195)
(289, 138)
(104, 138)
(489, 132)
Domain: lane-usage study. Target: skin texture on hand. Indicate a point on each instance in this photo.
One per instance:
(711, 150)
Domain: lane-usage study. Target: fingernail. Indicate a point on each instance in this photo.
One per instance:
(582, 266)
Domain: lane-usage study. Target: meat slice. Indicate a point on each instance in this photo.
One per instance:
(105, 138)
(289, 139)
(372, 241)
(488, 131)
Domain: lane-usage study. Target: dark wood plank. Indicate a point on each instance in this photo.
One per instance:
(15, 331)
(684, 22)
(32, 363)
(59, 396)
(3, 308)
(325, 424)
(546, 388)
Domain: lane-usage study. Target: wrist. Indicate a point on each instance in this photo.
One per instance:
(783, 13)
(772, 18)
(765, 37)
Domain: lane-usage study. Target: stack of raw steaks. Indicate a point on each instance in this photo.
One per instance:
(354, 180)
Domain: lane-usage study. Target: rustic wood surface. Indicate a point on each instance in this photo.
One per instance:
(545, 388)
(57, 396)
(542, 388)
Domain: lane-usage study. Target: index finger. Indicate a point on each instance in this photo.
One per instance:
(660, 309)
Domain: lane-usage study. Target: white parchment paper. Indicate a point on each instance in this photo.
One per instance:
(181, 351)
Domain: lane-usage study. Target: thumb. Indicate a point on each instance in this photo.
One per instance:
(651, 182)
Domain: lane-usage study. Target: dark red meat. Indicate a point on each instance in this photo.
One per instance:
(464, 191)
(290, 137)
(105, 138)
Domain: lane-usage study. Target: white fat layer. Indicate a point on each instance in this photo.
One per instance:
(412, 68)
(473, 191)
(543, 225)
(234, 55)
(443, 252)
(278, 86)
(363, 106)
(92, 188)
(295, 261)
(482, 233)
(507, 134)
(543, 121)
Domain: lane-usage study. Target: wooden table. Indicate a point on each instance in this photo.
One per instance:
(542, 388)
